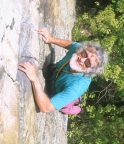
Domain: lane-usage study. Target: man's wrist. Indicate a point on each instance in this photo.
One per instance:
(35, 80)
(52, 40)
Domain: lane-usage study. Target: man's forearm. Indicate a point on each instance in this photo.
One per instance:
(47, 38)
(61, 42)
(42, 99)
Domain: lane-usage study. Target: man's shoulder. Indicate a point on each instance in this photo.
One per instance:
(74, 45)
(81, 81)
(75, 79)
(82, 78)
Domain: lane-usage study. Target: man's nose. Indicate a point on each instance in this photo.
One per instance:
(83, 59)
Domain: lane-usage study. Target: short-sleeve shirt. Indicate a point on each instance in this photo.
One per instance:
(69, 86)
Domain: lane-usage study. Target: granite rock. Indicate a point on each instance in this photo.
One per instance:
(20, 119)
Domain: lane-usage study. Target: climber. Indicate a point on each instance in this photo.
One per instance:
(80, 64)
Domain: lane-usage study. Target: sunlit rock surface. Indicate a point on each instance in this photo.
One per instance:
(20, 119)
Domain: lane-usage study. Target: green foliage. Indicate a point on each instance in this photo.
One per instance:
(107, 28)
(100, 125)
(103, 121)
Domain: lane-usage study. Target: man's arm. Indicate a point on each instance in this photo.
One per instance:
(47, 38)
(42, 99)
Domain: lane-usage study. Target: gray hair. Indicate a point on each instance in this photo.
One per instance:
(100, 53)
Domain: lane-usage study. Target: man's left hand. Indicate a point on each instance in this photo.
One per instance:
(29, 69)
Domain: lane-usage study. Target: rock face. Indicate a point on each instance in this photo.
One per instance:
(20, 120)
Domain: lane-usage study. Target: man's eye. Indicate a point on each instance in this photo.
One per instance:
(83, 54)
(87, 63)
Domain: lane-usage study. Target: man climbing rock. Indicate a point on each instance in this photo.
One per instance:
(72, 75)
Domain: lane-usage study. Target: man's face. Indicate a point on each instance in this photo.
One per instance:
(83, 60)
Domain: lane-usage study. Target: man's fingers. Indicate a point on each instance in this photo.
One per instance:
(44, 39)
(22, 69)
(23, 63)
(32, 63)
(26, 65)
(39, 31)
(43, 31)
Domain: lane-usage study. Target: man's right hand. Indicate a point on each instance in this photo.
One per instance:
(47, 38)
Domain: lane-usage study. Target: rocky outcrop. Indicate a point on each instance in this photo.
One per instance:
(20, 119)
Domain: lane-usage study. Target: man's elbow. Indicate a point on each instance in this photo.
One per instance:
(47, 110)
(44, 111)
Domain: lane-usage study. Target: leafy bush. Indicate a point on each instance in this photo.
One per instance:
(102, 123)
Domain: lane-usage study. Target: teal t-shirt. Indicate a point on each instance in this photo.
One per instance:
(68, 86)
